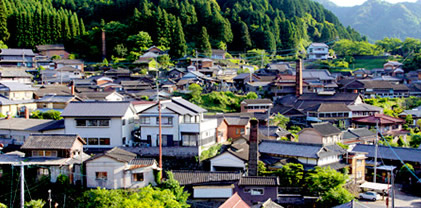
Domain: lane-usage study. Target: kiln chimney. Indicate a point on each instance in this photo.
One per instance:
(253, 148)
(299, 77)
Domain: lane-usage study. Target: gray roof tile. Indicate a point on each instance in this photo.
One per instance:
(258, 181)
(96, 109)
(189, 177)
(51, 141)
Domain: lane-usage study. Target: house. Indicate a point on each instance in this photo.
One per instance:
(386, 124)
(241, 80)
(119, 169)
(358, 136)
(274, 133)
(235, 158)
(337, 113)
(17, 130)
(392, 65)
(13, 57)
(75, 63)
(117, 73)
(254, 189)
(318, 51)
(364, 109)
(268, 203)
(176, 73)
(373, 88)
(361, 73)
(135, 85)
(415, 113)
(321, 133)
(308, 100)
(275, 153)
(45, 90)
(284, 85)
(237, 125)
(357, 167)
(101, 96)
(256, 105)
(15, 75)
(221, 130)
(201, 63)
(208, 185)
(65, 74)
(53, 50)
(102, 124)
(148, 63)
(319, 80)
(56, 102)
(51, 155)
(262, 88)
(218, 54)
(234, 201)
(183, 127)
(16, 91)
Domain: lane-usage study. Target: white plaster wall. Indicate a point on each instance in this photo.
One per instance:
(226, 160)
(114, 171)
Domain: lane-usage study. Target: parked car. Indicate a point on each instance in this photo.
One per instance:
(370, 195)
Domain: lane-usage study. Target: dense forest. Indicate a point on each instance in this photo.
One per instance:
(182, 26)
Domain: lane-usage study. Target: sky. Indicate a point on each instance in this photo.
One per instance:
(358, 2)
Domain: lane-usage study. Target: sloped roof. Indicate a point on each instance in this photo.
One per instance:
(326, 129)
(364, 107)
(237, 120)
(14, 72)
(257, 101)
(53, 90)
(51, 141)
(22, 124)
(320, 74)
(15, 86)
(358, 133)
(188, 105)
(17, 52)
(50, 47)
(56, 98)
(381, 118)
(96, 109)
(296, 149)
(319, 45)
(142, 162)
(385, 152)
(189, 177)
(68, 61)
(234, 201)
(329, 107)
(120, 154)
(258, 181)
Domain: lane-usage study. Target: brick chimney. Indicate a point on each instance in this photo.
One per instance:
(72, 89)
(299, 77)
(104, 54)
(253, 148)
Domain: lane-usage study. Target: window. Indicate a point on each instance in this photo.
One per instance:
(124, 122)
(92, 122)
(138, 177)
(187, 119)
(104, 141)
(359, 162)
(257, 191)
(104, 122)
(80, 122)
(189, 139)
(43, 172)
(246, 190)
(44, 153)
(144, 120)
(131, 120)
(124, 140)
(101, 176)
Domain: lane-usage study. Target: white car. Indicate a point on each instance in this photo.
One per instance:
(370, 195)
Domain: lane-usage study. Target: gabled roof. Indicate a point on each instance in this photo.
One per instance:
(258, 181)
(14, 72)
(329, 107)
(17, 52)
(296, 149)
(385, 152)
(22, 124)
(56, 98)
(53, 90)
(188, 105)
(51, 141)
(237, 120)
(50, 47)
(188, 177)
(120, 154)
(358, 133)
(100, 96)
(364, 107)
(96, 109)
(234, 201)
(15, 86)
(319, 45)
(68, 61)
(326, 129)
(380, 118)
(319, 74)
(257, 101)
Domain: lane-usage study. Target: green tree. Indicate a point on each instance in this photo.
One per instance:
(335, 196)
(173, 185)
(280, 120)
(35, 204)
(2, 205)
(164, 61)
(140, 41)
(196, 93)
(178, 44)
(415, 141)
(291, 174)
(251, 95)
(203, 44)
(4, 32)
(323, 179)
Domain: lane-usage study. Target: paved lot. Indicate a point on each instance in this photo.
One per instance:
(402, 200)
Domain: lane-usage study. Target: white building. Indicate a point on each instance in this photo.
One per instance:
(102, 124)
(317, 51)
(182, 122)
(118, 168)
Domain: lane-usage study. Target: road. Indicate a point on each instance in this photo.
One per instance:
(402, 200)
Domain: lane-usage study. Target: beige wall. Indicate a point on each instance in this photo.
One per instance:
(13, 109)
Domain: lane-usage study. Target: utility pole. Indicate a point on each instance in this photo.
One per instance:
(375, 151)
(49, 198)
(160, 130)
(393, 189)
(22, 185)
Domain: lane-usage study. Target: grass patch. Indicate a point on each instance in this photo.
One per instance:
(368, 63)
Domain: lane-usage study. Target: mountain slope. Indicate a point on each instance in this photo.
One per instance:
(378, 19)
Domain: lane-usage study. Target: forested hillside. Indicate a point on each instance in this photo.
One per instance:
(179, 25)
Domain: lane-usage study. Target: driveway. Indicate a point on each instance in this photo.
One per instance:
(402, 200)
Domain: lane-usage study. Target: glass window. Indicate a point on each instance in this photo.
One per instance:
(189, 139)
(257, 191)
(138, 177)
(92, 141)
(104, 141)
(92, 122)
(104, 122)
(50, 153)
(144, 120)
(80, 122)
(124, 122)
(101, 175)
(246, 190)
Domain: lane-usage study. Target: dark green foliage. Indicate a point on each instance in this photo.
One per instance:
(291, 175)
(51, 114)
(4, 33)
(203, 44)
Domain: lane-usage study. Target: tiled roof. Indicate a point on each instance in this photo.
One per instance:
(142, 162)
(120, 155)
(319, 74)
(258, 181)
(297, 149)
(237, 121)
(326, 129)
(380, 118)
(100, 96)
(14, 72)
(364, 107)
(337, 97)
(51, 141)
(17, 52)
(22, 124)
(68, 61)
(329, 107)
(16, 86)
(200, 177)
(257, 101)
(96, 109)
(56, 98)
(385, 152)
(267, 204)
(234, 201)
(53, 90)
(188, 105)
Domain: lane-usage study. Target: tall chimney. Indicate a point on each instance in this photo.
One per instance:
(104, 55)
(299, 77)
(253, 148)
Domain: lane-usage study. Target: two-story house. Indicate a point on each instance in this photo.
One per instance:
(14, 74)
(15, 97)
(318, 51)
(102, 124)
(17, 57)
(321, 133)
(53, 50)
(51, 155)
(254, 189)
(75, 63)
(256, 105)
(117, 168)
(337, 113)
(183, 125)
